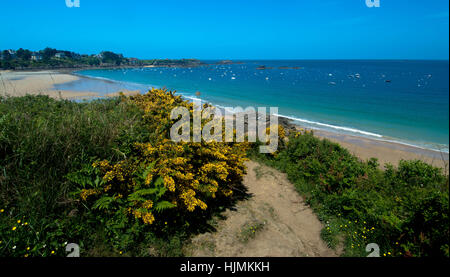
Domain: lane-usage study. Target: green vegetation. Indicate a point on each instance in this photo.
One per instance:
(41, 141)
(103, 174)
(52, 58)
(250, 229)
(173, 63)
(84, 173)
(404, 210)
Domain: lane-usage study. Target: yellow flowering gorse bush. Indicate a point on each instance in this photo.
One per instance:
(162, 174)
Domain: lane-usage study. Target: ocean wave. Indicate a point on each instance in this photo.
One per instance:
(348, 129)
(374, 136)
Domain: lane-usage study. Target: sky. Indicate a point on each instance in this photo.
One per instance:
(232, 29)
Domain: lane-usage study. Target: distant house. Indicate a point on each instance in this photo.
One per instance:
(35, 56)
(12, 53)
(133, 61)
(60, 55)
(100, 56)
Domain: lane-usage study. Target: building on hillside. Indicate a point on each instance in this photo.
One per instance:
(35, 56)
(60, 55)
(13, 53)
(133, 61)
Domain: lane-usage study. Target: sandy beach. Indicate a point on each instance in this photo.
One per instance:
(20, 83)
(385, 151)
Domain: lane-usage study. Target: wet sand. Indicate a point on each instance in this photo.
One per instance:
(21, 83)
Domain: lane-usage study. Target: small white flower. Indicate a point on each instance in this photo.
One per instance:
(14, 247)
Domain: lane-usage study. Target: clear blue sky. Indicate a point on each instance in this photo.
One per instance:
(232, 29)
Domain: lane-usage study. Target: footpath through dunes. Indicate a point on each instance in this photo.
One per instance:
(275, 221)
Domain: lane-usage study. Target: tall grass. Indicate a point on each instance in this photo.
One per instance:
(42, 140)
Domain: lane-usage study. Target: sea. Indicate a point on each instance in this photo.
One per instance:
(404, 101)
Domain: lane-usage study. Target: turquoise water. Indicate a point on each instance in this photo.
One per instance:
(404, 101)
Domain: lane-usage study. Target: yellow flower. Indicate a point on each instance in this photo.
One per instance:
(2, 210)
(148, 218)
(120, 252)
(18, 221)
(26, 223)
(147, 204)
(28, 248)
(53, 252)
(14, 228)
(26, 255)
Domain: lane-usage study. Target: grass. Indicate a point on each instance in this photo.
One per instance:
(42, 140)
(250, 230)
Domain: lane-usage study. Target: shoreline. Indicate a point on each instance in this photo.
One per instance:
(385, 151)
(44, 82)
(20, 83)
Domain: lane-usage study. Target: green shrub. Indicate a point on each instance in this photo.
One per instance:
(41, 141)
(404, 210)
(48, 149)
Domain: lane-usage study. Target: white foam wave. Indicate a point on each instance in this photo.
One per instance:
(348, 129)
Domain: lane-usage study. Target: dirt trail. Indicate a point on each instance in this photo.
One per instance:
(274, 222)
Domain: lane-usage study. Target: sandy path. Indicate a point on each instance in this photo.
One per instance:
(283, 225)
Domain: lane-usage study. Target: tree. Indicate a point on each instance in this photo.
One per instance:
(6, 55)
(48, 53)
(24, 54)
(110, 57)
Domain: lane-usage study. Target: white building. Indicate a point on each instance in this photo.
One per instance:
(35, 56)
(60, 55)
